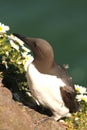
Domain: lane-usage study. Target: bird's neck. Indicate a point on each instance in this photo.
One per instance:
(43, 66)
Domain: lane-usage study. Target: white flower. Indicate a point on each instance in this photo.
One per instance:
(7, 53)
(19, 62)
(3, 28)
(28, 59)
(81, 93)
(5, 63)
(25, 49)
(14, 45)
(80, 89)
(15, 39)
(24, 54)
(81, 98)
(84, 98)
(76, 118)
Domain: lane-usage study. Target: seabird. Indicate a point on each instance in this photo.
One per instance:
(49, 82)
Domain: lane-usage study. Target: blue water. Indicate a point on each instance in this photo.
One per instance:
(62, 23)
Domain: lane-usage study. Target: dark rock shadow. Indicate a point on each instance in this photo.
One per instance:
(30, 102)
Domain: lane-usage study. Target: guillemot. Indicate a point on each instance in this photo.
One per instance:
(49, 82)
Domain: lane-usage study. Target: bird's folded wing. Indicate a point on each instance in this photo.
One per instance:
(68, 95)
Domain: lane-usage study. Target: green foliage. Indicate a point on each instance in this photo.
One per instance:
(78, 120)
(14, 59)
(13, 73)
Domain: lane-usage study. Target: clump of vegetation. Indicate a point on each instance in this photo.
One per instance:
(78, 120)
(14, 60)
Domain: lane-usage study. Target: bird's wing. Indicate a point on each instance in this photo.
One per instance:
(68, 91)
(69, 98)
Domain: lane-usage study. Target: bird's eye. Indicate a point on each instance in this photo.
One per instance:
(34, 43)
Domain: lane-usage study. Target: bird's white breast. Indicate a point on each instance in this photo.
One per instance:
(45, 88)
